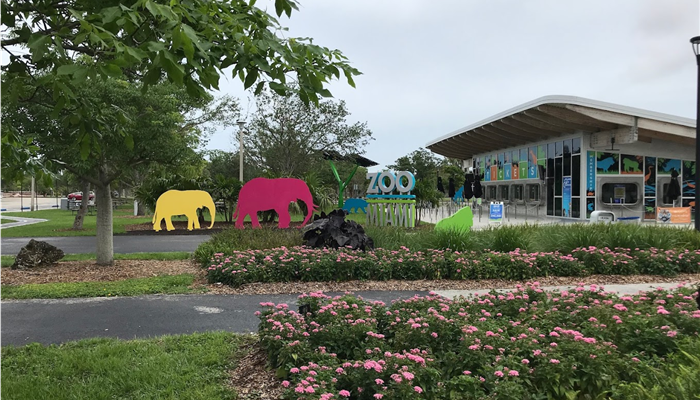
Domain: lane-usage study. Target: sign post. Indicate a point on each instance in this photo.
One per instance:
(496, 212)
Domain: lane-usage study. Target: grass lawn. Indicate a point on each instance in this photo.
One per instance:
(189, 367)
(58, 220)
(6, 221)
(6, 261)
(165, 284)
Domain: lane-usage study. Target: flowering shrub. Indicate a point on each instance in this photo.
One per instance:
(305, 264)
(526, 344)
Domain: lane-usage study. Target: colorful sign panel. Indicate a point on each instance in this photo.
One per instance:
(496, 212)
(666, 165)
(650, 176)
(632, 165)
(675, 215)
(566, 196)
(607, 163)
(523, 170)
(590, 174)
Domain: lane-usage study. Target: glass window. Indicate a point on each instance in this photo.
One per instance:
(567, 146)
(557, 207)
(567, 164)
(533, 192)
(576, 175)
(516, 156)
(550, 150)
(491, 192)
(620, 193)
(503, 192)
(576, 146)
(558, 149)
(557, 176)
(517, 192)
(575, 207)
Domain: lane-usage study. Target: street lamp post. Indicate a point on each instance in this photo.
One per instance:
(696, 49)
(240, 123)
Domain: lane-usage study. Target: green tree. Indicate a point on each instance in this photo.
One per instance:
(58, 46)
(424, 166)
(287, 135)
(157, 132)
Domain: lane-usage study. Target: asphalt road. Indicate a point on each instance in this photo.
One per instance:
(122, 244)
(59, 321)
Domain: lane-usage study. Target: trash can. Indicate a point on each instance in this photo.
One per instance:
(605, 217)
(629, 220)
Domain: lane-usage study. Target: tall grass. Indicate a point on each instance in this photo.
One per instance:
(532, 238)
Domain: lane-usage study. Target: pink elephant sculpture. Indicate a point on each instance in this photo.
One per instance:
(262, 194)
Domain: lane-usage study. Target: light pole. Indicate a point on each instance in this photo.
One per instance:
(696, 49)
(240, 123)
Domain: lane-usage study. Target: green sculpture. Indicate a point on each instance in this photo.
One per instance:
(355, 158)
(461, 220)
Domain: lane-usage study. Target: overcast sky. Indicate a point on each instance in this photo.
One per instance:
(431, 67)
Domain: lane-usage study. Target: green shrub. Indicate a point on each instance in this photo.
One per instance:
(304, 264)
(231, 240)
(526, 344)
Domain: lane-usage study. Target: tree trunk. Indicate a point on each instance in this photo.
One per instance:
(105, 239)
(80, 216)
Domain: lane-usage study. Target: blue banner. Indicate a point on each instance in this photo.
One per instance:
(496, 211)
(590, 174)
(566, 197)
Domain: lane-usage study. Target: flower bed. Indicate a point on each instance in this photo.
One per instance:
(305, 264)
(525, 344)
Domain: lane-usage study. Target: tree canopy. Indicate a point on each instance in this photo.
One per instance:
(287, 136)
(58, 46)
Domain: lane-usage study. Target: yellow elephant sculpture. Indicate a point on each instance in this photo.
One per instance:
(182, 202)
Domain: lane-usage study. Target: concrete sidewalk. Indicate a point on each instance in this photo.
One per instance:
(62, 320)
(632, 288)
(21, 221)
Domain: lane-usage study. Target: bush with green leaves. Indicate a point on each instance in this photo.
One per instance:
(305, 264)
(524, 344)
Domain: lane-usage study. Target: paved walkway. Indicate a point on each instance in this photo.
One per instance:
(632, 288)
(58, 321)
(21, 221)
(122, 244)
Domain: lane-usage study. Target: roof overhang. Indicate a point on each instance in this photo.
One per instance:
(553, 116)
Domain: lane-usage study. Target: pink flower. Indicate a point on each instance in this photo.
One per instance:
(294, 370)
(285, 383)
(498, 373)
(418, 389)
(467, 372)
(513, 373)
(379, 381)
(434, 334)
(378, 395)
(344, 393)
(554, 361)
(671, 333)
(309, 389)
(525, 361)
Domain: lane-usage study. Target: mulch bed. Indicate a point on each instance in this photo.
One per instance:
(251, 379)
(84, 271)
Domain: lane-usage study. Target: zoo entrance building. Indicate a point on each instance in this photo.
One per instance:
(567, 156)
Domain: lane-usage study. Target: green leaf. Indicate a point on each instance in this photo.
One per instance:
(129, 142)
(278, 88)
(111, 14)
(250, 78)
(259, 88)
(111, 70)
(136, 53)
(85, 147)
(38, 45)
(68, 69)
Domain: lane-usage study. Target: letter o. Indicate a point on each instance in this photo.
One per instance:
(411, 182)
(392, 182)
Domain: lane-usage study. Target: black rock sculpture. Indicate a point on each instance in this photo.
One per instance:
(334, 231)
(37, 254)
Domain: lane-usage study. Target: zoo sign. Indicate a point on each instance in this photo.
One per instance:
(378, 182)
